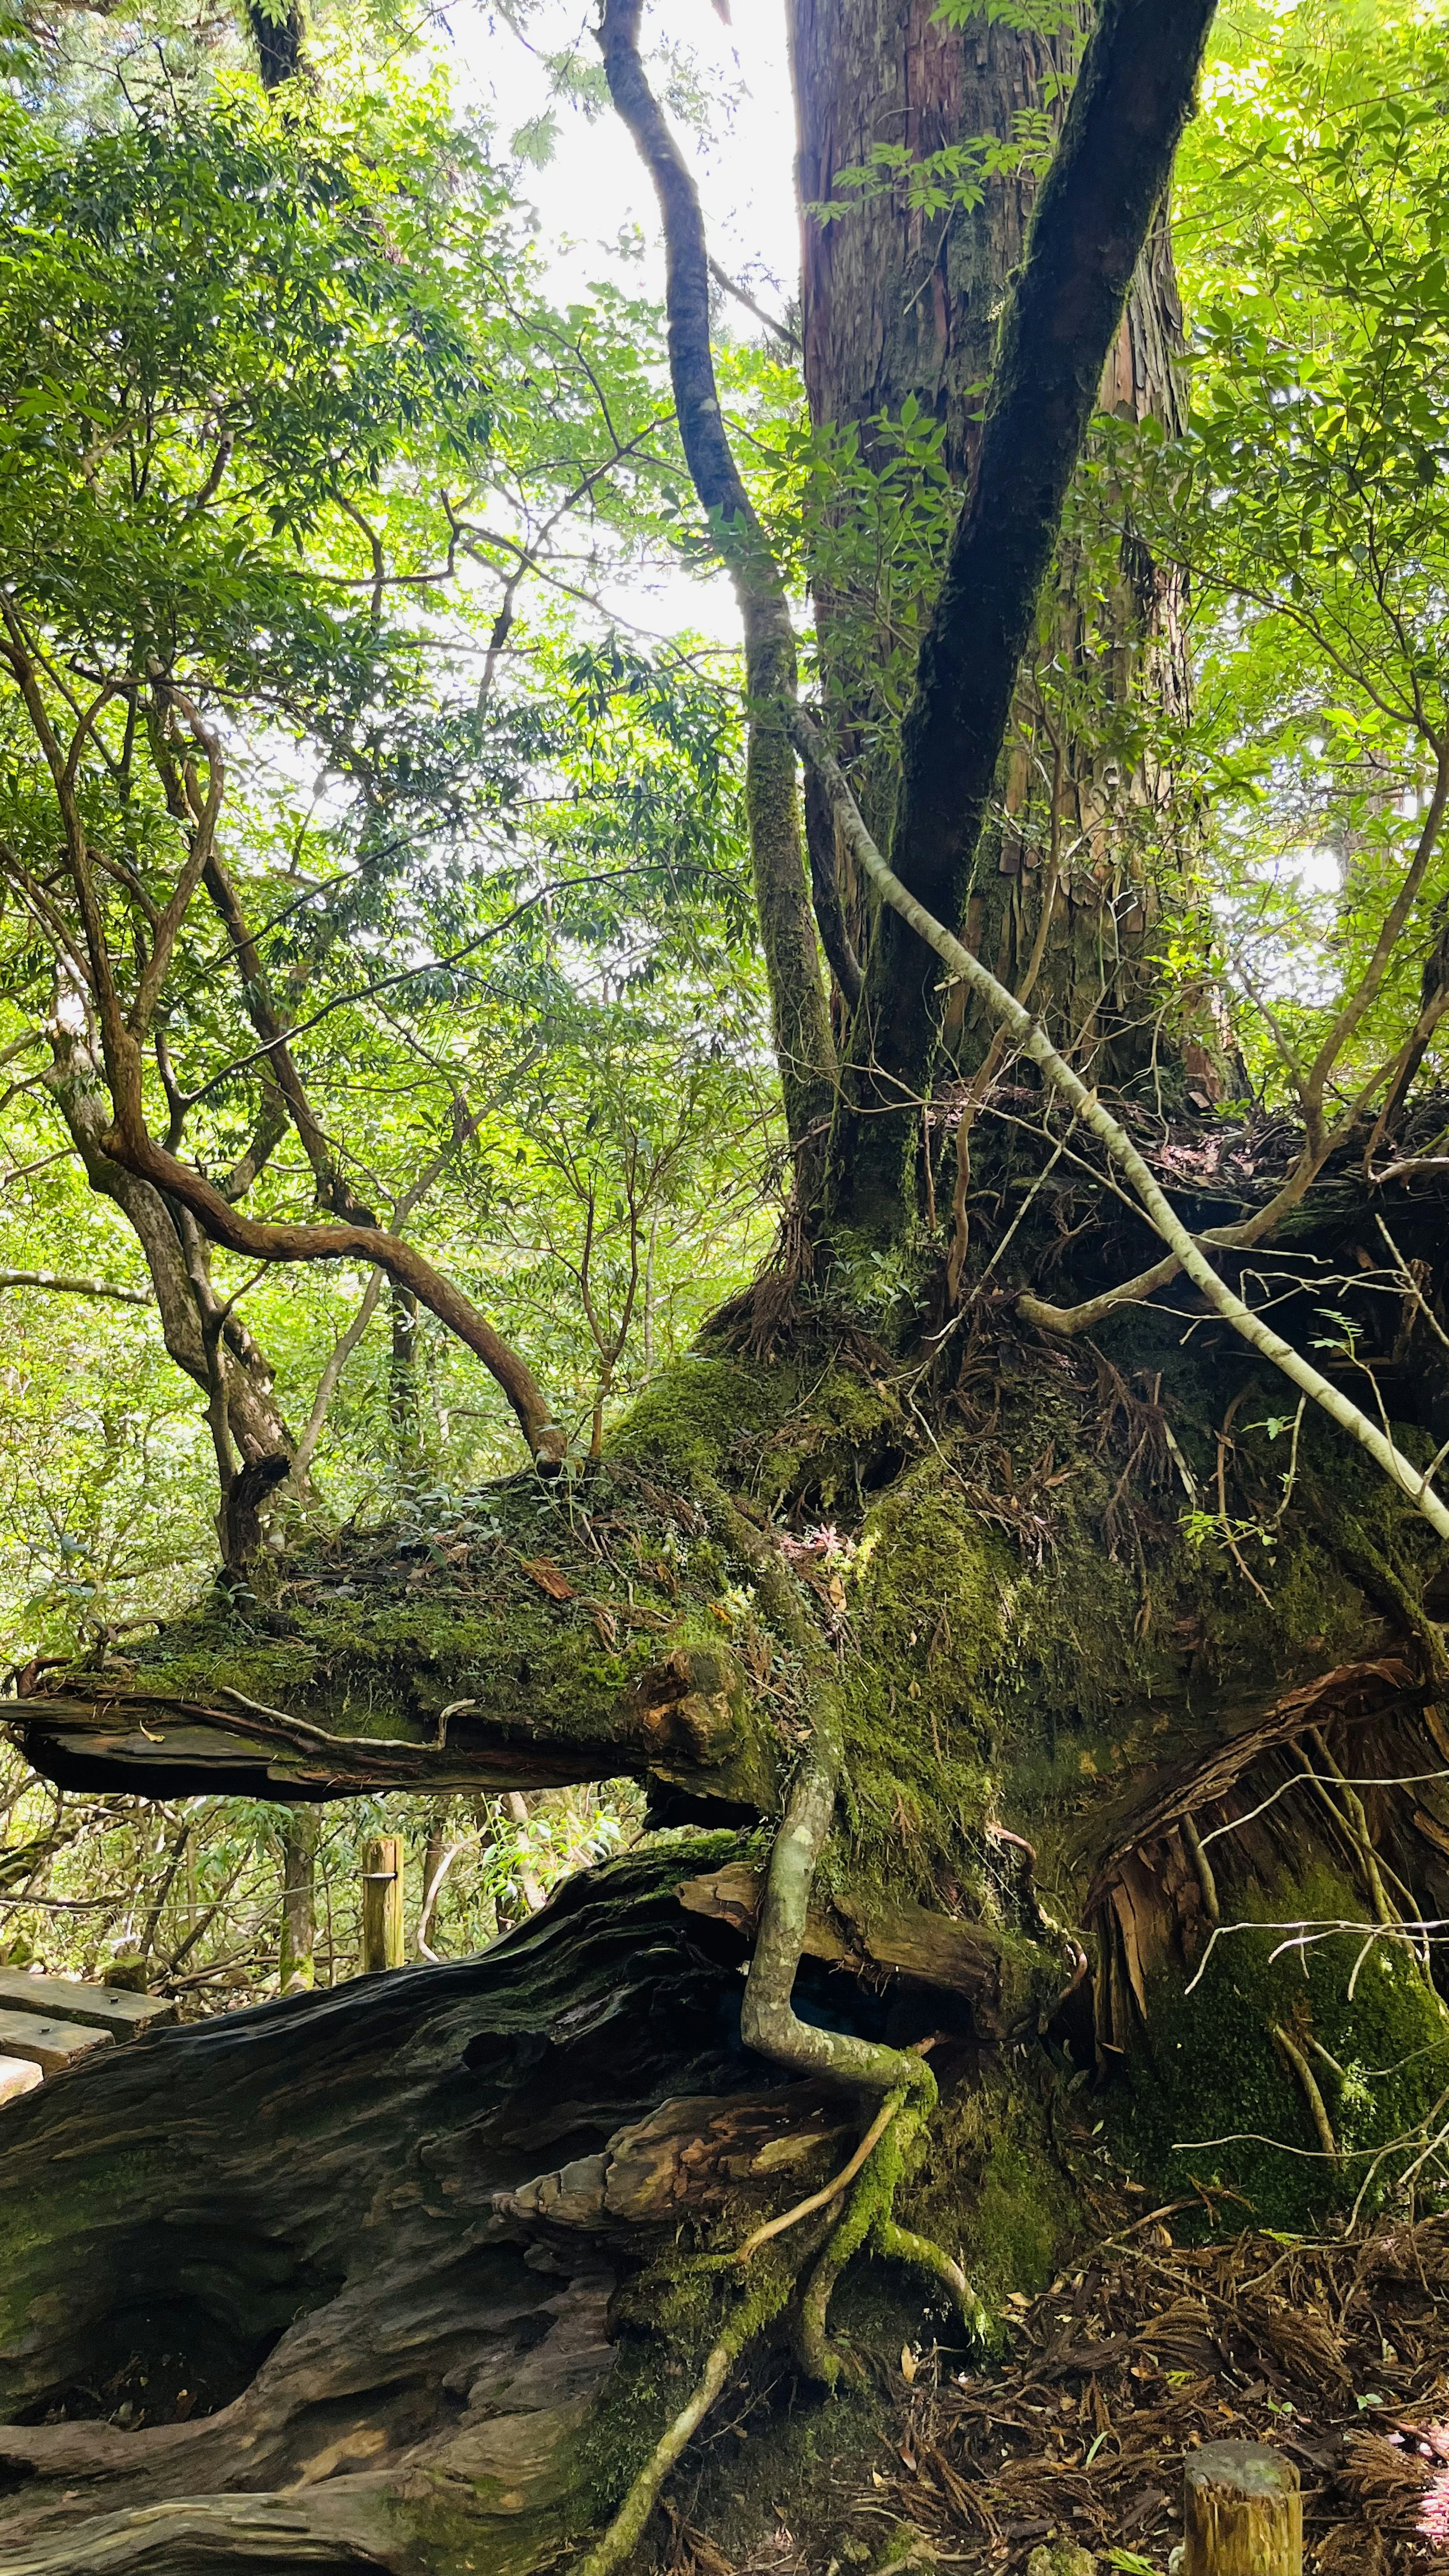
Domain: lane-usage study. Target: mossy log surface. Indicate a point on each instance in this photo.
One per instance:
(308, 2247)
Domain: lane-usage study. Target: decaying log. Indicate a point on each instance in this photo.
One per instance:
(991, 1971)
(691, 2155)
(343, 2531)
(294, 2245)
(682, 1716)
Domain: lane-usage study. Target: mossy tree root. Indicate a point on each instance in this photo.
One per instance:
(769, 2023)
(903, 2245)
(869, 2223)
(762, 2302)
(768, 2020)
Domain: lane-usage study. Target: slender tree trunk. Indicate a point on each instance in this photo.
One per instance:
(518, 1812)
(405, 1386)
(299, 1898)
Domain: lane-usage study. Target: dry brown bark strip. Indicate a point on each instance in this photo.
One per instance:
(1353, 1692)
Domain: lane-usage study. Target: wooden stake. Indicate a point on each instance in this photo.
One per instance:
(1242, 2511)
(382, 1905)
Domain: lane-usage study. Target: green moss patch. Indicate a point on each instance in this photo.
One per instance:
(1212, 2070)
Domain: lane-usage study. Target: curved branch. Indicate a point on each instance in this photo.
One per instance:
(130, 1144)
(768, 2020)
(825, 892)
(332, 1187)
(803, 1041)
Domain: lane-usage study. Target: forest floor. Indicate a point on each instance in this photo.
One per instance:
(1336, 2351)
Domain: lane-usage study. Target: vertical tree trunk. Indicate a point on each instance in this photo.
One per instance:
(900, 307)
(404, 1385)
(435, 1847)
(519, 1811)
(299, 1899)
(896, 301)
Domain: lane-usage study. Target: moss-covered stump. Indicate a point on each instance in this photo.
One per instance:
(1143, 1748)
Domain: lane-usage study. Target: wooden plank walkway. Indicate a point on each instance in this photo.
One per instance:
(48, 2023)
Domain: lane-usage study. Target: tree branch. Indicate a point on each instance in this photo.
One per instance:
(1034, 1042)
(72, 1287)
(130, 1143)
(801, 1021)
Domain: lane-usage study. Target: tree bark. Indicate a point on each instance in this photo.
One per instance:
(299, 1898)
(901, 307)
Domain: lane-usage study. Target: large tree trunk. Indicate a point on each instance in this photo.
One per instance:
(901, 309)
(425, 2249)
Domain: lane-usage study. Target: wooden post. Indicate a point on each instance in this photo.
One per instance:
(382, 1904)
(1242, 2512)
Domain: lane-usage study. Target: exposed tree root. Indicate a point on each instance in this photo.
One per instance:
(868, 2223)
(761, 2303)
(1318, 2108)
(830, 2191)
(768, 2020)
(770, 2024)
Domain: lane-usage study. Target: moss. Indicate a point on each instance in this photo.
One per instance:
(830, 1448)
(884, 1275)
(695, 1417)
(379, 1631)
(992, 2183)
(667, 2320)
(925, 1611)
(789, 2459)
(1210, 2068)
